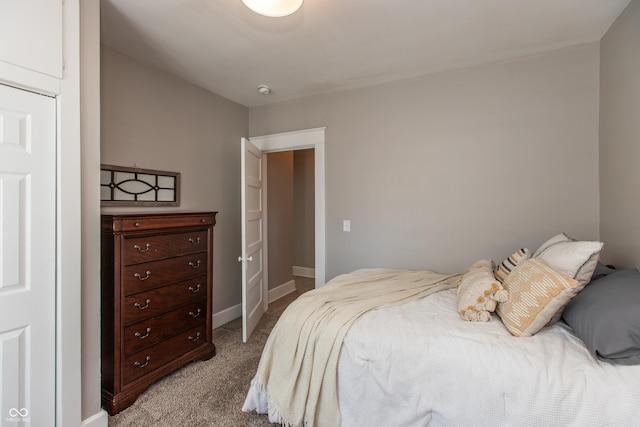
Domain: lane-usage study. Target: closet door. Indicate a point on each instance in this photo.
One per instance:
(27, 257)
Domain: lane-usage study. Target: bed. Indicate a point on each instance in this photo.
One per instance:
(415, 361)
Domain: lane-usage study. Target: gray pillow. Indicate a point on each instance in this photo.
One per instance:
(606, 316)
(602, 270)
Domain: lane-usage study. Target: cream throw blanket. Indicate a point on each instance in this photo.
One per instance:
(298, 367)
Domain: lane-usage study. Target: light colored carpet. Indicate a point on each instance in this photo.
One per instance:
(209, 393)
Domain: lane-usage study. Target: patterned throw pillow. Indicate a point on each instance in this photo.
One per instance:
(503, 270)
(479, 292)
(536, 293)
(577, 259)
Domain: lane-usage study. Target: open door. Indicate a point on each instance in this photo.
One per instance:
(252, 224)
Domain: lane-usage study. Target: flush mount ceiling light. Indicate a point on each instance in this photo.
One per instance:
(273, 8)
(264, 89)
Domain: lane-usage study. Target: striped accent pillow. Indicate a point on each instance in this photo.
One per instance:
(503, 270)
(536, 293)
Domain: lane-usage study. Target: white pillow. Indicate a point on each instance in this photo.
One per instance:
(576, 258)
(559, 238)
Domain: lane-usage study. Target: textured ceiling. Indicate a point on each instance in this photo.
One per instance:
(330, 45)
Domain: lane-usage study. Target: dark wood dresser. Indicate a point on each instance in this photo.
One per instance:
(157, 274)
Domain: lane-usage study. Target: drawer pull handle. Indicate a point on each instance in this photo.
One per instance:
(194, 241)
(139, 276)
(140, 336)
(203, 220)
(140, 306)
(196, 314)
(147, 246)
(137, 224)
(142, 365)
(196, 289)
(194, 264)
(196, 338)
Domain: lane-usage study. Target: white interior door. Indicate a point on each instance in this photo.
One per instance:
(253, 296)
(27, 257)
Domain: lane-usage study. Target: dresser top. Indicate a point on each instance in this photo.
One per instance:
(119, 213)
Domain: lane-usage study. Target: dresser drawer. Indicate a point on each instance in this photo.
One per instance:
(156, 222)
(152, 248)
(146, 361)
(150, 332)
(149, 304)
(150, 275)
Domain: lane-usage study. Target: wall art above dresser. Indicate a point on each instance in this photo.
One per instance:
(125, 186)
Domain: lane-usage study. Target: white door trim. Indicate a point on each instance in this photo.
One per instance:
(71, 390)
(299, 140)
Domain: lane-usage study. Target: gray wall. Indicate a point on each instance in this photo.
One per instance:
(620, 139)
(280, 217)
(153, 120)
(304, 208)
(438, 171)
(290, 205)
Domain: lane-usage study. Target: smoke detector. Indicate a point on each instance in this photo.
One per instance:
(264, 89)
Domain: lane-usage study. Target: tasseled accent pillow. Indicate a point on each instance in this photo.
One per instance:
(507, 266)
(479, 292)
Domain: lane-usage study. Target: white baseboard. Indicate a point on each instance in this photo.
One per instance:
(282, 290)
(231, 313)
(227, 315)
(304, 272)
(101, 419)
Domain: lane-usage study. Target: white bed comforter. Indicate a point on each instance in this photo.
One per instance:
(420, 364)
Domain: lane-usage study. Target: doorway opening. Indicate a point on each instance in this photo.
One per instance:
(289, 183)
(301, 140)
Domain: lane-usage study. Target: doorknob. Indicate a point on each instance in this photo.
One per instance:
(249, 258)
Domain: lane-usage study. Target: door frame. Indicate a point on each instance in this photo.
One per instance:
(299, 140)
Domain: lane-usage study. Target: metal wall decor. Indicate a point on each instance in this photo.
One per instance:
(123, 186)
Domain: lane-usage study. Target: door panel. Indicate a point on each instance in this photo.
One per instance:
(27, 257)
(252, 246)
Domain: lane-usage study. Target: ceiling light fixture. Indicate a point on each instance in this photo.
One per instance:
(273, 8)
(264, 89)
